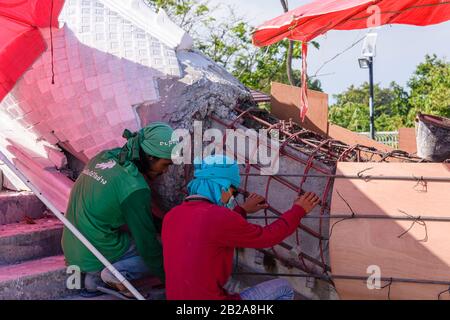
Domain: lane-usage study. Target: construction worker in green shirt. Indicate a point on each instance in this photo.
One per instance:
(112, 192)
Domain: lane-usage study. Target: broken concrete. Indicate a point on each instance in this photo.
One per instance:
(14, 206)
(204, 88)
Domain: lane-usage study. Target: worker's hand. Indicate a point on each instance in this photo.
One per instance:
(307, 201)
(254, 203)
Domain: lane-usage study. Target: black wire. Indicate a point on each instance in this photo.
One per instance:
(389, 288)
(421, 182)
(365, 178)
(337, 55)
(417, 220)
(343, 219)
(441, 293)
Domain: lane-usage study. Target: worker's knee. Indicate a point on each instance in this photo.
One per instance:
(283, 288)
(282, 283)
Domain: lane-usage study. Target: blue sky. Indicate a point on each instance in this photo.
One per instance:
(400, 48)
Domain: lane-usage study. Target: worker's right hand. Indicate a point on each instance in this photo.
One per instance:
(254, 203)
(307, 201)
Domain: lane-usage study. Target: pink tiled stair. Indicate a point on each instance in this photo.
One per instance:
(31, 262)
(32, 266)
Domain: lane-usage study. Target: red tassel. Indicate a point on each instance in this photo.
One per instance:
(304, 89)
(51, 43)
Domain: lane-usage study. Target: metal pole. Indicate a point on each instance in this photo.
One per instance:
(371, 100)
(71, 227)
(354, 177)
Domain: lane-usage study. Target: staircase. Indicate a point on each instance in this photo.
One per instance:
(32, 265)
(31, 262)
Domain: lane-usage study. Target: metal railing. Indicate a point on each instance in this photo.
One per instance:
(389, 138)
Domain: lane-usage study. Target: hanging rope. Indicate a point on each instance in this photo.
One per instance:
(304, 89)
(51, 44)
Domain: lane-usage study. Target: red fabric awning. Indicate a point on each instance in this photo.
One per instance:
(316, 18)
(21, 42)
(309, 21)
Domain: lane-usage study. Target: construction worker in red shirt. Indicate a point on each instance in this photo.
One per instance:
(200, 235)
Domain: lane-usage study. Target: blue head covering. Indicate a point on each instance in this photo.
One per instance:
(214, 174)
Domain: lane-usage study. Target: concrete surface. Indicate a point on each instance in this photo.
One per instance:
(14, 206)
(39, 279)
(21, 241)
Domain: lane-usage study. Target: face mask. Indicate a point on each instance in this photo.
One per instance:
(230, 203)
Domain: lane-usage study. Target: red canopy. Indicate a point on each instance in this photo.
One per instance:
(309, 21)
(21, 42)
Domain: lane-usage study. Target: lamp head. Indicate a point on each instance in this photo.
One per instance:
(364, 63)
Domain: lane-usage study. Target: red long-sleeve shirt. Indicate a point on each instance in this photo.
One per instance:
(199, 239)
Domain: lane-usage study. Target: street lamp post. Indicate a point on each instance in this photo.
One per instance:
(369, 52)
(371, 106)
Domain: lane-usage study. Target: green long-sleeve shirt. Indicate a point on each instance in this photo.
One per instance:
(143, 230)
(103, 199)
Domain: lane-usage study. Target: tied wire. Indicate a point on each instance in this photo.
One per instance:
(366, 178)
(417, 220)
(388, 285)
(421, 185)
(343, 219)
(441, 293)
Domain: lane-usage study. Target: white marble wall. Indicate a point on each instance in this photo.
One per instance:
(107, 58)
(103, 64)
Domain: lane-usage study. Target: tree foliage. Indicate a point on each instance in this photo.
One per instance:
(430, 88)
(228, 41)
(428, 91)
(188, 14)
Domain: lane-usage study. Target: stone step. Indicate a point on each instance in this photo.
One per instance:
(14, 206)
(41, 279)
(23, 241)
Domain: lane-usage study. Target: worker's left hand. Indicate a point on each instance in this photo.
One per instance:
(254, 203)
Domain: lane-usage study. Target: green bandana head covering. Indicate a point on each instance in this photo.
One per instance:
(155, 140)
